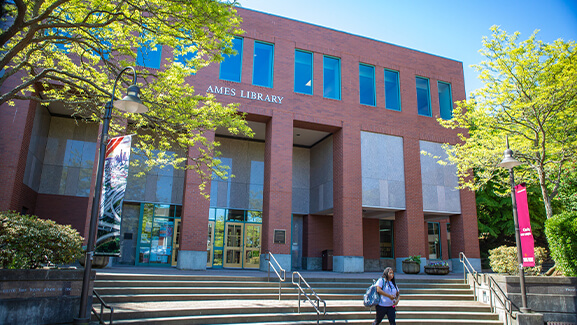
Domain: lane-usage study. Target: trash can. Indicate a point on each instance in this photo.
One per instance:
(327, 256)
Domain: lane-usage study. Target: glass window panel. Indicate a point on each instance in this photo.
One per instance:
(263, 64)
(235, 215)
(423, 98)
(217, 260)
(186, 58)
(434, 240)
(386, 238)
(392, 90)
(149, 56)
(303, 72)
(254, 216)
(231, 66)
(367, 84)
(219, 229)
(445, 100)
(331, 78)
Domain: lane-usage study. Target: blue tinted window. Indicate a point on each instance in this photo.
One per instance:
(392, 90)
(423, 98)
(230, 67)
(331, 78)
(303, 72)
(367, 84)
(262, 64)
(184, 59)
(149, 56)
(445, 100)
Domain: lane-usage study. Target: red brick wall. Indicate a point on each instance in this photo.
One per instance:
(371, 239)
(317, 235)
(66, 210)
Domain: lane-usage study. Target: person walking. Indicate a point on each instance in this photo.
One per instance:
(387, 288)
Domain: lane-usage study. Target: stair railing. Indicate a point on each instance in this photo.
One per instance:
(102, 306)
(308, 297)
(281, 278)
(494, 290)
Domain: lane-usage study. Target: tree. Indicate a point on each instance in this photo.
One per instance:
(530, 95)
(70, 51)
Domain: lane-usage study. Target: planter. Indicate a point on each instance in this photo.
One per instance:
(411, 267)
(438, 270)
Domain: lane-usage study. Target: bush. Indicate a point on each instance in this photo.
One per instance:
(561, 231)
(504, 260)
(27, 242)
(414, 258)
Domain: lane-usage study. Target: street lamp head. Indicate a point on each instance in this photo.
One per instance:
(131, 103)
(508, 160)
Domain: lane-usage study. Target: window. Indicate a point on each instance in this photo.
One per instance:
(386, 238)
(367, 84)
(423, 98)
(230, 67)
(147, 55)
(449, 239)
(434, 240)
(332, 77)
(303, 72)
(185, 58)
(392, 90)
(262, 68)
(445, 100)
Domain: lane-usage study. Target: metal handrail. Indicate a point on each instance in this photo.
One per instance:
(313, 293)
(494, 289)
(102, 306)
(282, 278)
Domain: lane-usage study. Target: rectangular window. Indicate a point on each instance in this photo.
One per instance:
(149, 56)
(449, 239)
(423, 97)
(392, 90)
(445, 100)
(262, 70)
(434, 240)
(185, 58)
(231, 66)
(386, 238)
(303, 72)
(332, 77)
(367, 84)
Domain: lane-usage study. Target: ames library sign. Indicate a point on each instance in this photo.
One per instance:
(252, 95)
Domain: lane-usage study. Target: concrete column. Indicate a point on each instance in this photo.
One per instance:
(192, 252)
(347, 201)
(410, 226)
(277, 190)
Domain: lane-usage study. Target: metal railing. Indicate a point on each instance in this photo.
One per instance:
(313, 294)
(494, 290)
(102, 306)
(281, 278)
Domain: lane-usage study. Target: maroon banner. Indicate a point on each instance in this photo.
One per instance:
(527, 241)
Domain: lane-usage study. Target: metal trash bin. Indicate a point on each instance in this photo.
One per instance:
(327, 256)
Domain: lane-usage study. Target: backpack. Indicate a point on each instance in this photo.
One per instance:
(371, 297)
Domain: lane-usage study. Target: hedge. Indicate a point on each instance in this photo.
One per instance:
(561, 231)
(503, 259)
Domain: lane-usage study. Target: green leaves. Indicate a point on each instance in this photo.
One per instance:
(561, 233)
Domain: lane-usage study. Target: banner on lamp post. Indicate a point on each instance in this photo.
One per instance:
(527, 241)
(115, 175)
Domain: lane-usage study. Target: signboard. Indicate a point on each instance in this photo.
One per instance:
(527, 241)
(279, 236)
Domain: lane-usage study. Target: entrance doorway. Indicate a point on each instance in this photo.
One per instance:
(158, 234)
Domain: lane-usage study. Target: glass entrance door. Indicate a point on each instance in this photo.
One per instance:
(210, 244)
(175, 243)
(233, 244)
(252, 245)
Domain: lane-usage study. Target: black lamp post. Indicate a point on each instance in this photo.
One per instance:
(509, 162)
(131, 103)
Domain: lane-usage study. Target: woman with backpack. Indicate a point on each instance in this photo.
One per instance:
(389, 292)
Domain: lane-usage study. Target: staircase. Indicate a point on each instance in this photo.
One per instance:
(213, 299)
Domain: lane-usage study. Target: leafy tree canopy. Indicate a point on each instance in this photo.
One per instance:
(530, 95)
(69, 52)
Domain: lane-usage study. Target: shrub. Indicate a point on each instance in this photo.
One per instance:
(504, 260)
(27, 242)
(561, 231)
(414, 258)
(437, 264)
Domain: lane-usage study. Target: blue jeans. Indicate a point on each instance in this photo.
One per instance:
(382, 311)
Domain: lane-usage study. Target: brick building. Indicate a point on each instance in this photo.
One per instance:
(334, 177)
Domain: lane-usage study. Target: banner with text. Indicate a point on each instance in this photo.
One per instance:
(527, 241)
(116, 163)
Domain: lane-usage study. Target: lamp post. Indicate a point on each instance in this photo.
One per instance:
(131, 103)
(509, 162)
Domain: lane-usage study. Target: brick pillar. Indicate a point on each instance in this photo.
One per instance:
(277, 191)
(192, 252)
(347, 200)
(465, 233)
(410, 235)
(443, 239)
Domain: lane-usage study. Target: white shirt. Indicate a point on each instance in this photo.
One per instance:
(390, 289)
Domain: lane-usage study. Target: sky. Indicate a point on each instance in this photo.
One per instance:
(452, 29)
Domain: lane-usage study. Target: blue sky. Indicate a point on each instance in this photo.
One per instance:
(450, 28)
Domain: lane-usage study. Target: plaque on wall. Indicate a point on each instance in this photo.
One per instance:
(279, 236)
